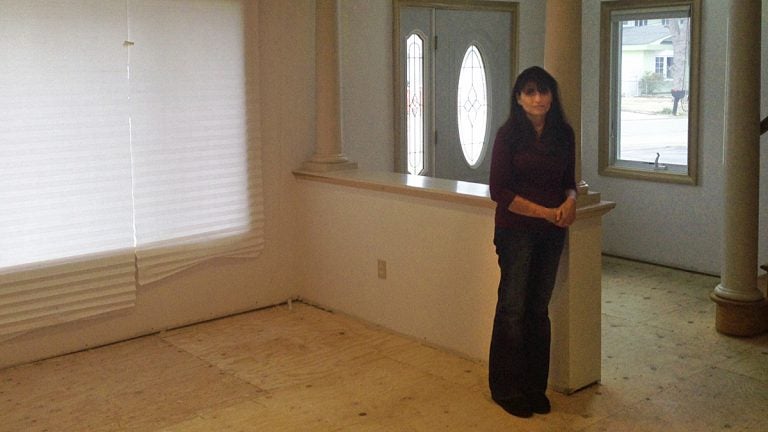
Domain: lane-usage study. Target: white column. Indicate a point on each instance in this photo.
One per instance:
(741, 306)
(328, 147)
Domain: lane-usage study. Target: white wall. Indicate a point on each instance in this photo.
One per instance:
(442, 274)
(366, 80)
(668, 224)
(532, 22)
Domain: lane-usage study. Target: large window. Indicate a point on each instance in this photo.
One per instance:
(125, 149)
(648, 94)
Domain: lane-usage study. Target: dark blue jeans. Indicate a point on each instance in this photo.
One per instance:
(519, 357)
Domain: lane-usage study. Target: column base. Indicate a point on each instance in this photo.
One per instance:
(736, 318)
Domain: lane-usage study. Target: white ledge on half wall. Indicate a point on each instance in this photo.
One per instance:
(456, 191)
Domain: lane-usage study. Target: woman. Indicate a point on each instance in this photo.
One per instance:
(532, 182)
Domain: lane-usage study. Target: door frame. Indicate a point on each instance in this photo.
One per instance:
(401, 147)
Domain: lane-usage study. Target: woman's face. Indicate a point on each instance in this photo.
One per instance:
(535, 103)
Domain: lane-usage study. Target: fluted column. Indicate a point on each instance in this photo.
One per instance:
(328, 147)
(741, 307)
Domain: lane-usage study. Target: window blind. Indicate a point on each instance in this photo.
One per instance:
(197, 192)
(129, 147)
(65, 187)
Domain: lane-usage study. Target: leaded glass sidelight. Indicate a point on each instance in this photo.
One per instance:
(414, 110)
(472, 106)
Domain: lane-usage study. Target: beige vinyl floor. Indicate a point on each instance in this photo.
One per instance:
(304, 369)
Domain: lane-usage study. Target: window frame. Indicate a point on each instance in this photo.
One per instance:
(608, 162)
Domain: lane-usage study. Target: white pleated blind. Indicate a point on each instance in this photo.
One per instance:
(65, 172)
(196, 188)
(52, 294)
(128, 142)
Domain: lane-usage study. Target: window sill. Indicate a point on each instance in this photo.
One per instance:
(649, 174)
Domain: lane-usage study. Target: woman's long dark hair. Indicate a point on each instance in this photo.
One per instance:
(518, 129)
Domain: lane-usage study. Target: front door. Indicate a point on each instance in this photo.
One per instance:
(468, 62)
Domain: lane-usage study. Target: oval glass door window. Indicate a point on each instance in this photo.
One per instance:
(472, 106)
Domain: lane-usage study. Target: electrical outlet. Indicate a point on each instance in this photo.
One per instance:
(382, 269)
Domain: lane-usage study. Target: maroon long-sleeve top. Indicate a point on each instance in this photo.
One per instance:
(533, 171)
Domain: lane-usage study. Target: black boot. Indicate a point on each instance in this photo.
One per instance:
(518, 407)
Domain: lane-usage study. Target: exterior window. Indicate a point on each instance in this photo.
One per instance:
(664, 67)
(670, 63)
(415, 103)
(648, 91)
(472, 106)
(640, 23)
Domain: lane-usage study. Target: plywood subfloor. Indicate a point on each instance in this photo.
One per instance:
(305, 369)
